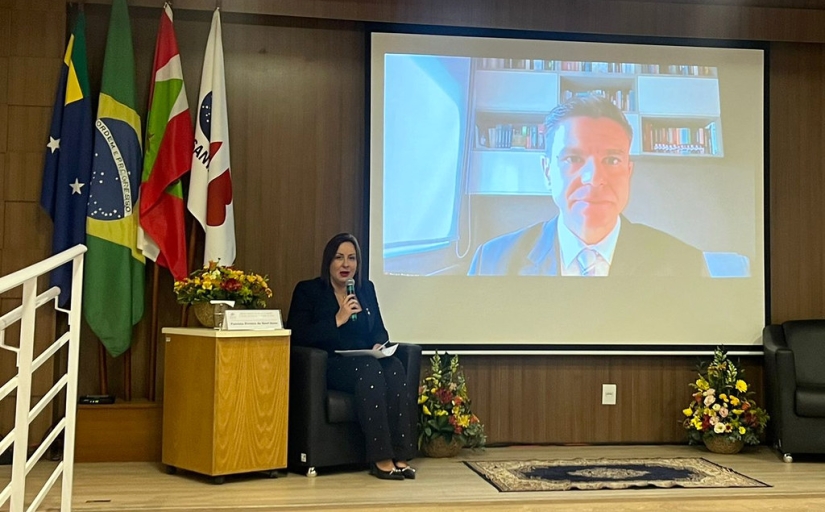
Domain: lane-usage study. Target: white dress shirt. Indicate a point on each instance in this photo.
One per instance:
(570, 246)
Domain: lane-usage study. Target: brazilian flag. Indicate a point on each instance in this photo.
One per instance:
(114, 284)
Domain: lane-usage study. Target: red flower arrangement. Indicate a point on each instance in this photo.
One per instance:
(218, 282)
(444, 407)
(722, 406)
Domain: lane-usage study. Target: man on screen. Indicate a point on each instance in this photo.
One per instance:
(588, 168)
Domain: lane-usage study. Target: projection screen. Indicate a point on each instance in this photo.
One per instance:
(554, 194)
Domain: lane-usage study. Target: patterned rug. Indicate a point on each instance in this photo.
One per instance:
(592, 474)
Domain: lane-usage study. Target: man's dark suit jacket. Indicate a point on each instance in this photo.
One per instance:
(312, 318)
(640, 250)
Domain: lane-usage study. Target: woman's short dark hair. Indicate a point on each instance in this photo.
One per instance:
(590, 105)
(332, 249)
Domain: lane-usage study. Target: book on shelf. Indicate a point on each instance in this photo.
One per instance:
(625, 99)
(624, 68)
(509, 136)
(677, 69)
(527, 64)
(599, 67)
(680, 140)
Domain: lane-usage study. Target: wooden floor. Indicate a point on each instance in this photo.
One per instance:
(446, 485)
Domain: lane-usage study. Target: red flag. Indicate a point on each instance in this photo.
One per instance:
(169, 141)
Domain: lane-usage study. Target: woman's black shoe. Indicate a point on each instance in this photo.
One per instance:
(393, 474)
(408, 472)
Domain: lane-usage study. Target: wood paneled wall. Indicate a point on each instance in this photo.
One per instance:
(557, 399)
(768, 20)
(797, 181)
(28, 79)
(295, 76)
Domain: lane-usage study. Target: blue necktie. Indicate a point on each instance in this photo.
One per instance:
(588, 258)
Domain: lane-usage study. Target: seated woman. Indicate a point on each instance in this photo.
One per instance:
(324, 315)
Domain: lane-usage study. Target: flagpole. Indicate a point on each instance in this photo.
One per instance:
(102, 370)
(153, 338)
(184, 310)
(193, 237)
(127, 374)
(168, 157)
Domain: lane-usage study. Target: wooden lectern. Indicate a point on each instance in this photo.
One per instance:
(225, 401)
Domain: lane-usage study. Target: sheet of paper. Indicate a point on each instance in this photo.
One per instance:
(376, 353)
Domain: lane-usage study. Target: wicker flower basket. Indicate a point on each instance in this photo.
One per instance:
(438, 447)
(205, 313)
(721, 444)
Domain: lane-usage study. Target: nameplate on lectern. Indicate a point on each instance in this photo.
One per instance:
(252, 320)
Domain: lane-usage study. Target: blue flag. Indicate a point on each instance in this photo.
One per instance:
(68, 165)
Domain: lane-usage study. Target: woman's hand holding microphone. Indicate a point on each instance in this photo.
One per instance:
(349, 306)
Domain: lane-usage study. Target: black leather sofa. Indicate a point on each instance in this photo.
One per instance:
(323, 429)
(795, 385)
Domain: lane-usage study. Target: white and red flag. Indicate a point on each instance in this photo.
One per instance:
(210, 188)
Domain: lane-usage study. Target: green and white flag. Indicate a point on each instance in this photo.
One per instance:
(168, 157)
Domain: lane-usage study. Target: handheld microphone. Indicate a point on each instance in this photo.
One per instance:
(351, 291)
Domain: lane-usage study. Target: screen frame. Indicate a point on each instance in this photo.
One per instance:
(568, 349)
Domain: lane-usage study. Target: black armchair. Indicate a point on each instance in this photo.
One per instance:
(323, 428)
(795, 385)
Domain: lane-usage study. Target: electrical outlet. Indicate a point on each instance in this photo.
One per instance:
(608, 394)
